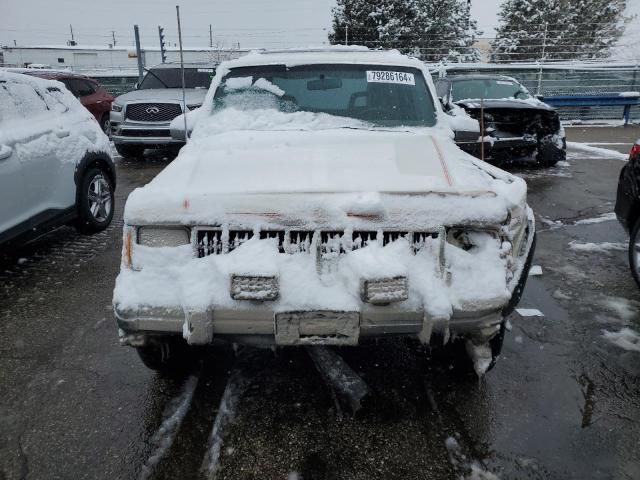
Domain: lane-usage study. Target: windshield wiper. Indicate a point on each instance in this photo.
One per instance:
(157, 77)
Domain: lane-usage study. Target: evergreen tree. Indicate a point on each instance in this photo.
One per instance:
(429, 29)
(596, 25)
(533, 30)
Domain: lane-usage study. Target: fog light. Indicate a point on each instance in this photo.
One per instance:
(254, 287)
(382, 291)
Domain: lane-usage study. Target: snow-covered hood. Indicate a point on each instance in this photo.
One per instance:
(193, 95)
(266, 171)
(504, 103)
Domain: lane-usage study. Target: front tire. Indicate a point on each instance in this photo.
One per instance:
(634, 252)
(96, 201)
(166, 355)
(548, 152)
(129, 151)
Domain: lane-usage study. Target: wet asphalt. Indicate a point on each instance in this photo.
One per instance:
(562, 403)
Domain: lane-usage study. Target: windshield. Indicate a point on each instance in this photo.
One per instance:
(172, 78)
(488, 88)
(382, 96)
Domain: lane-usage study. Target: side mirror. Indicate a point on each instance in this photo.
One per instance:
(540, 97)
(135, 86)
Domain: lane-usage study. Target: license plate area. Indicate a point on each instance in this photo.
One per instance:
(323, 327)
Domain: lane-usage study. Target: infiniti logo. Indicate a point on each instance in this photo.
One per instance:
(152, 110)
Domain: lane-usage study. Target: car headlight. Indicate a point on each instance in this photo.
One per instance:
(163, 236)
(194, 106)
(116, 108)
(468, 240)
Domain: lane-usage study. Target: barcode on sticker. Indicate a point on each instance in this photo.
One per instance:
(387, 76)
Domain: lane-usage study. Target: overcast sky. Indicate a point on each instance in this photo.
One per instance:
(253, 23)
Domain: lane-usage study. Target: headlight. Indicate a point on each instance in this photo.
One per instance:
(194, 106)
(163, 236)
(116, 108)
(468, 240)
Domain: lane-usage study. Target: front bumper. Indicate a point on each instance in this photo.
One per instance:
(259, 323)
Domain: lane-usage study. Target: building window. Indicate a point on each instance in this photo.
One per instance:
(60, 60)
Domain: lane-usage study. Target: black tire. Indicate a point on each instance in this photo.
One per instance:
(634, 252)
(95, 201)
(105, 124)
(549, 154)
(454, 354)
(168, 355)
(130, 151)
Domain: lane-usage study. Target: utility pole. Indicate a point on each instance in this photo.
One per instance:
(346, 35)
(184, 94)
(113, 35)
(210, 37)
(163, 51)
(544, 50)
(136, 33)
(71, 42)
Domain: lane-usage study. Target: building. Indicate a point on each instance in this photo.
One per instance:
(87, 59)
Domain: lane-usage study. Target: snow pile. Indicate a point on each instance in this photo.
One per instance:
(626, 339)
(597, 247)
(605, 217)
(597, 152)
(529, 312)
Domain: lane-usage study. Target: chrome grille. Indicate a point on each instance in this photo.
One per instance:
(153, 112)
(214, 241)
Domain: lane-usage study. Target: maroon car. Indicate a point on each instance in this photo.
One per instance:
(90, 93)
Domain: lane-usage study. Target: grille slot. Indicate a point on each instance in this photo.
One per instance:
(153, 112)
(215, 241)
(145, 133)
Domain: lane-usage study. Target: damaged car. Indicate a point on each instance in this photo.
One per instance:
(511, 123)
(320, 200)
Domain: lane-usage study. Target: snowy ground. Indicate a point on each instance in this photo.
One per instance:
(563, 401)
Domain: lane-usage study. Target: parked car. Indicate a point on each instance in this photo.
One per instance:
(516, 124)
(55, 166)
(628, 207)
(140, 119)
(91, 94)
(320, 200)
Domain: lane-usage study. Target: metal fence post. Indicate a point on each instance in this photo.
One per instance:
(139, 54)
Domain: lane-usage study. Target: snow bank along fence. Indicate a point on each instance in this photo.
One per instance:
(581, 91)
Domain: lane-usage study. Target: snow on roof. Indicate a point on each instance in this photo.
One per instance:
(316, 55)
(6, 76)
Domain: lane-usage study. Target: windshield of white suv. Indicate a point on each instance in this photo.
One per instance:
(379, 95)
(487, 88)
(172, 78)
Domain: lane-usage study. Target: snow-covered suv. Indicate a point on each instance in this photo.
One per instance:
(55, 163)
(321, 200)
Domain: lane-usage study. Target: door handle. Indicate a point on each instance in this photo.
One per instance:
(5, 151)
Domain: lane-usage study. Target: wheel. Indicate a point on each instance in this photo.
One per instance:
(548, 152)
(166, 355)
(130, 151)
(105, 124)
(455, 355)
(95, 201)
(634, 252)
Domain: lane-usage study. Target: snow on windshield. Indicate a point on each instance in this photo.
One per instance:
(380, 95)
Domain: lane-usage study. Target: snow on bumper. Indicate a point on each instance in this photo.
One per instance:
(321, 296)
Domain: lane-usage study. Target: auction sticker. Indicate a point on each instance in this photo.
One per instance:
(387, 76)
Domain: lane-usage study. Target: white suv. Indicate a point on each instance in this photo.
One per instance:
(321, 200)
(55, 163)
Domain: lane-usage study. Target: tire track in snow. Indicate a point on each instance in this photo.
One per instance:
(236, 386)
(173, 416)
